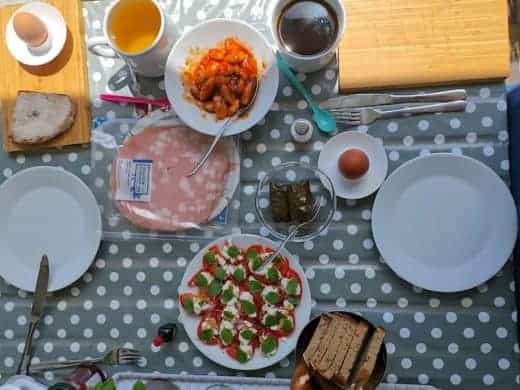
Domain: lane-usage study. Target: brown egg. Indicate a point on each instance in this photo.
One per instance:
(353, 163)
(30, 29)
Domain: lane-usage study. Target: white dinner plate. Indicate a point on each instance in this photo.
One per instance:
(47, 210)
(444, 222)
(377, 170)
(207, 35)
(57, 30)
(217, 354)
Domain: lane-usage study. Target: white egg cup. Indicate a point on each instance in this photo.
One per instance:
(56, 35)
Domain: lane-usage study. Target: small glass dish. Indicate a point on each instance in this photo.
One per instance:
(321, 188)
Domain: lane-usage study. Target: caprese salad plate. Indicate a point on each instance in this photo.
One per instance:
(239, 312)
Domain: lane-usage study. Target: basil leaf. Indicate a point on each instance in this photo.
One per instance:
(254, 286)
(220, 273)
(215, 288)
(273, 275)
(293, 299)
(292, 286)
(227, 295)
(256, 263)
(188, 305)
(239, 274)
(270, 320)
(272, 297)
(201, 281)
(269, 344)
(252, 254)
(287, 325)
(228, 314)
(247, 334)
(206, 334)
(226, 335)
(233, 251)
(248, 307)
(241, 356)
(209, 258)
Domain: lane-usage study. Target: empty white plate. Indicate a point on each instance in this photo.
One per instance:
(47, 210)
(57, 30)
(368, 183)
(444, 222)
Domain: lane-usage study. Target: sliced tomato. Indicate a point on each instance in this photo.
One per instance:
(257, 248)
(183, 298)
(234, 353)
(214, 339)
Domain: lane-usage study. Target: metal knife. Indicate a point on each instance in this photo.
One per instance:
(39, 297)
(379, 99)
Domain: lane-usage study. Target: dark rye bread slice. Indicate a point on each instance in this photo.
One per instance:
(367, 363)
(355, 348)
(337, 339)
(326, 343)
(317, 336)
(346, 334)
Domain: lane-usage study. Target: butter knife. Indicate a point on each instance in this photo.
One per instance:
(40, 294)
(379, 99)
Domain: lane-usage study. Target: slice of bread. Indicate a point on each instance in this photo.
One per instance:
(317, 336)
(341, 346)
(39, 117)
(342, 377)
(367, 363)
(326, 345)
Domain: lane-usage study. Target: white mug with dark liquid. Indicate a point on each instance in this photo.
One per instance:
(292, 24)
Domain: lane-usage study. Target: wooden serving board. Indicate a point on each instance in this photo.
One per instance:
(404, 43)
(66, 74)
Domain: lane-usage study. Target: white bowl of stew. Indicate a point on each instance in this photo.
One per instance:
(195, 44)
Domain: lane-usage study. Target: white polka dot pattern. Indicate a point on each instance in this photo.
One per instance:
(446, 341)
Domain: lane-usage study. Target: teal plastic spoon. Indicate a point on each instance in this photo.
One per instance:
(321, 117)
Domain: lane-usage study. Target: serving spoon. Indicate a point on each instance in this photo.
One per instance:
(316, 207)
(223, 129)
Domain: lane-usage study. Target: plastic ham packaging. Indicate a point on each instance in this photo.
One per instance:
(139, 179)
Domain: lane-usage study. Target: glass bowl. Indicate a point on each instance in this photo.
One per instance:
(321, 188)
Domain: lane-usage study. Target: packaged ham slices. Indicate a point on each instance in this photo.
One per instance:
(139, 177)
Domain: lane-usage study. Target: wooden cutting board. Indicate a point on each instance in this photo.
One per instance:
(403, 43)
(66, 74)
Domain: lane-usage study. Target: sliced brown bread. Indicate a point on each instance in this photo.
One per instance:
(342, 377)
(348, 328)
(39, 117)
(317, 336)
(337, 340)
(367, 363)
(325, 344)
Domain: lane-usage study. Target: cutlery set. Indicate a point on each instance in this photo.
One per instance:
(118, 356)
(355, 110)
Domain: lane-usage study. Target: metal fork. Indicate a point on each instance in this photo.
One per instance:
(366, 116)
(315, 212)
(118, 356)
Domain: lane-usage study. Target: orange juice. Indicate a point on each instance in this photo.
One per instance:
(134, 25)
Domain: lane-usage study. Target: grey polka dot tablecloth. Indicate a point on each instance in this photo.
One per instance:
(465, 340)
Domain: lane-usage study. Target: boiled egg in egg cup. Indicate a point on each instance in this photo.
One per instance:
(36, 33)
(355, 162)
